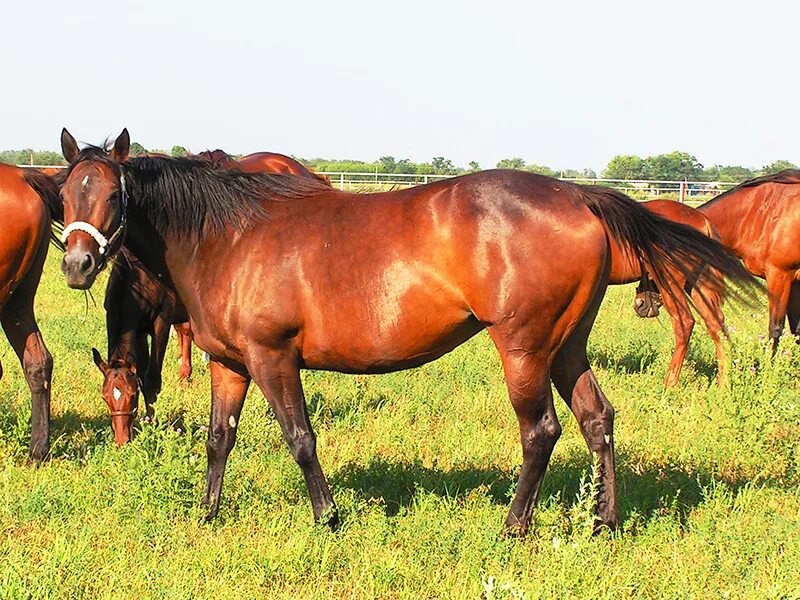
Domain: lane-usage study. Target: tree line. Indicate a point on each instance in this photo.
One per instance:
(673, 166)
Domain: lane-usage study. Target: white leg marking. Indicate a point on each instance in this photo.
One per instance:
(232, 421)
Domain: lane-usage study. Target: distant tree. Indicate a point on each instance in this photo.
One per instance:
(386, 164)
(28, 156)
(625, 167)
(777, 166)
(511, 163)
(673, 166)
(732, 174)
(425, 169)
(48, 157)
(575, 174)
(137, 149)
(473, 167)
(542, 170)
(179, 152)
(404, 165)
(443, 166)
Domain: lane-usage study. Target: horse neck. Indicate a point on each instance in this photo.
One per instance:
(729, 214)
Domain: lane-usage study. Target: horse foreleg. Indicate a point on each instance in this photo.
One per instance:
(19, 324)
(779, 286)
(155, 364)
(279, 379)
(228, 390)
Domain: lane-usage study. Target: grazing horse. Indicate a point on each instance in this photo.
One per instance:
(28, 202)
(759, 220)
(377, 283)
(137, 305)
(262, 162)
(705, 292)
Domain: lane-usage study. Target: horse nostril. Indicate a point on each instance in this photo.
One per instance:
(87, 264)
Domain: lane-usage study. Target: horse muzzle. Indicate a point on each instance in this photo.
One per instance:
(646, 304)
(80, 268)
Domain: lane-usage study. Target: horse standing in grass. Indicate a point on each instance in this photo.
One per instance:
(378, 283)
(28, 202)
(705, 292)
(759, 221)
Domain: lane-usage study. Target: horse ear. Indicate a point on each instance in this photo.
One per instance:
(122, 146)
(69, 147)
(98, 360)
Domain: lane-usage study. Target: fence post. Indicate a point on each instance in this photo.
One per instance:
(341, 181)
(425, 179)
(682, 193)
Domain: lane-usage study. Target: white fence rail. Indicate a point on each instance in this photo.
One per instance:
(684, 191)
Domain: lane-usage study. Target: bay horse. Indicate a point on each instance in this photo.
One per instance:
(262, 162)
(759, 220)
(705, 293)
(139, 306)
(281, 273)
(29, 201)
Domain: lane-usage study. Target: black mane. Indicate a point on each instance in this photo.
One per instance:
(787, 176)
(194, 197)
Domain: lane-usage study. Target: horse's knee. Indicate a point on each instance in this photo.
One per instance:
(38, 369)
(598, 428)
(303, 446)
(220, 440)
(542, 435)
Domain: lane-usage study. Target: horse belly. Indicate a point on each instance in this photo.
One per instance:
(393, 330)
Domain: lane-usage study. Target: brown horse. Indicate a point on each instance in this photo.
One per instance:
(759, 221)
(28, 202)
(137, 305)
(705, 292)
(332, 281)
(262, 162)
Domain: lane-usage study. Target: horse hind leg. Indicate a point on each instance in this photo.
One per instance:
(527, 379)
(19, 324)
(682, 325)
(708, 305)
(577, 385)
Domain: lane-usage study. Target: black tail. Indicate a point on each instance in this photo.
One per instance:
(49, 192)
(663, 245)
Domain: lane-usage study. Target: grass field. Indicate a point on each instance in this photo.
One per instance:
(422, 465)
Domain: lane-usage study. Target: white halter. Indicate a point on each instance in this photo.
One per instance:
(98, 237)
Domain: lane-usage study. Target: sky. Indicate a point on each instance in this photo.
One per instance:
(566, 84)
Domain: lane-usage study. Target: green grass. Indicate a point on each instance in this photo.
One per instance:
(422, 465)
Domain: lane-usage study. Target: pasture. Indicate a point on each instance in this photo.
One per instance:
(422, 464)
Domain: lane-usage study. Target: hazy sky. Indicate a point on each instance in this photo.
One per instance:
(567, 84)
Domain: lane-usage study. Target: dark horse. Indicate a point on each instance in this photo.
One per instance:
(28, 202)
(759, 221)
(332, 281)
(139, 305)
(705, 292)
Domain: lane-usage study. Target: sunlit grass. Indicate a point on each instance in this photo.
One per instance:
(423, 465)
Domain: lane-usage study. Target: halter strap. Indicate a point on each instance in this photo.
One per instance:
(124, 413)
(102, 241)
